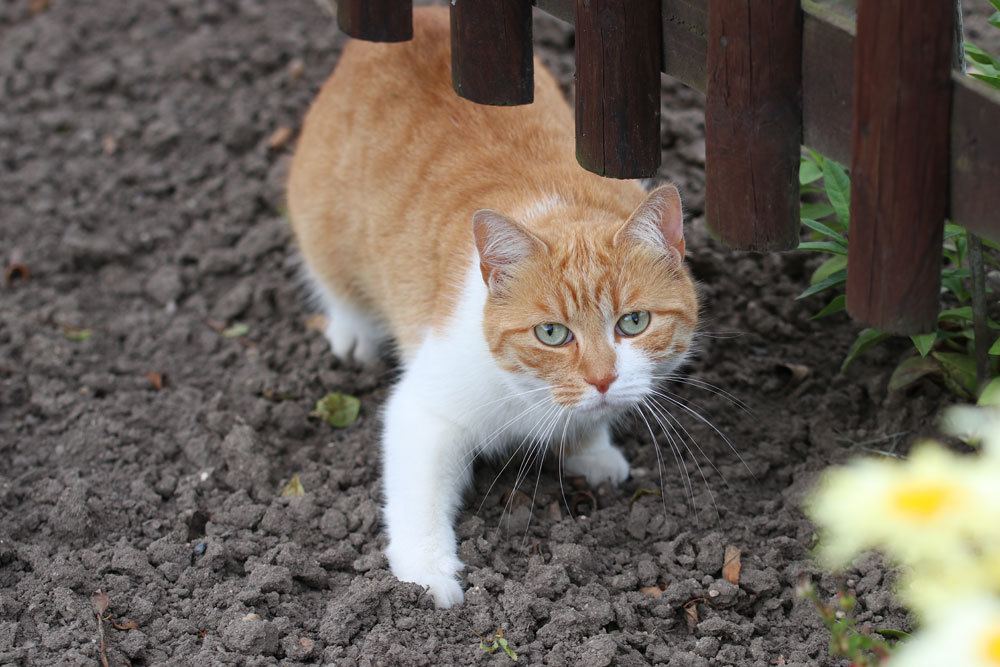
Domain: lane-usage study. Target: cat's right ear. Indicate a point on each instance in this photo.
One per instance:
(502, 244)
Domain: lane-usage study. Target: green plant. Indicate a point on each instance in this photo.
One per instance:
(949, 351)
(982, 65)
(863, 647)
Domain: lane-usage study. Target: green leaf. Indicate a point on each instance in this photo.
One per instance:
(828, 268)
(992, 79)
(959, 372)
(911, 370)
(507, 649)
(838, 304)
(996, 4)
(825, 230)
(980, 57)
(961, 314)
(293, 488)
(832, 281)
(823, 246)
(996, 347)
(951, 230)
(838, 189)
(338, 410)
(809, 172)
(77, 335)
(994, 20)
(924, 342)
(238, 330)
(990, 395)
(865, 340)
(815, 210)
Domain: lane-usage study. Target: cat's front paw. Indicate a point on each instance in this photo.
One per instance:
(440, 575)
(598, 464)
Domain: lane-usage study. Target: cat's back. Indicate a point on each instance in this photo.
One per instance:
(391, 164)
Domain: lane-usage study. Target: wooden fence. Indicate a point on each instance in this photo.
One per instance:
(873, 89)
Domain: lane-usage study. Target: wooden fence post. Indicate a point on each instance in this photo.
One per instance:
(900, 158)
(376, 20)
(618, 59)
(491, 51)
(753, 122)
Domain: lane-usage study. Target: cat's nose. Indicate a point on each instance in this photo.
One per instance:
(602, 384)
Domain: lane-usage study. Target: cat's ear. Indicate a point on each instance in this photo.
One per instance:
(658, 221)
(502, 244)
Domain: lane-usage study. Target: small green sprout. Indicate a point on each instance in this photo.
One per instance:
(237, 330)
(337, 409)
(863, 649)
(499, 644)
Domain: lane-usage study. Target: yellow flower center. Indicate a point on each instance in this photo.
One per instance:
(922, 500)
(991, 644)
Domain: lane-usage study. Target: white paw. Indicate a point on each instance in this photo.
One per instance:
(598, 464)
(439, 575)
(348, 341)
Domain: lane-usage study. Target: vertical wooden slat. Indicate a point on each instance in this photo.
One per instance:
(376, 20)
(753, 122)
(899, 168)
(618, 58)
(491, 54)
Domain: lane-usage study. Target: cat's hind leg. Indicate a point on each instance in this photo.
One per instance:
(354, 335)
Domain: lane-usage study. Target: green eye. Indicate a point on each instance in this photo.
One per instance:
(633, 324)
(553, 334)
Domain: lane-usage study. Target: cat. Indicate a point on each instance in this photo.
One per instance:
(529, 301)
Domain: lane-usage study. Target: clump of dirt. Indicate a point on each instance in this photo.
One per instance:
(158, 366)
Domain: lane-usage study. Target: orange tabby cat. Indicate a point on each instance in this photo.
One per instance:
(529, 300)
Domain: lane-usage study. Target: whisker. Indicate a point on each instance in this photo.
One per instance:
(479, 449)
(535, 446)
(541, 460)
(679, 460)
(659, 459)
(694, 413)
(707, 386)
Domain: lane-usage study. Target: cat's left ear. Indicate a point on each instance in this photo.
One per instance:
(658, 221)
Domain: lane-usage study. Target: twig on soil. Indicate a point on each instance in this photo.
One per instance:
(99, 602)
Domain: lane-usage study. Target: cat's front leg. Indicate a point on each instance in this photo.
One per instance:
(424, 476)
(595, 458)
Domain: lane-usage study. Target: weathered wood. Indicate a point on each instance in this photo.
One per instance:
(753, 123)
(491, 51)
(376, 20)
(618, 62)
(827, 78)
(899, 170)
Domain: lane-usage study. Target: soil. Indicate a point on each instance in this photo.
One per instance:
(144, 445)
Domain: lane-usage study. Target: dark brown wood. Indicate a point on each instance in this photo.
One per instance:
(899, 170)
(491, 51)
(753, 123)
(376, 20)
(618, 62)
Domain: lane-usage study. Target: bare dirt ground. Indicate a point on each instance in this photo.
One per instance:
(143, 452)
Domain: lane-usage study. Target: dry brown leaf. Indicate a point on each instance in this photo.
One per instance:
(306, 643)
(731, 565)
(279, 137)
(691, 614)
(127, 624)
(296, 69)
(38, 6)
(100, 602)
(16, 271)
(654, 592)
(156, 380)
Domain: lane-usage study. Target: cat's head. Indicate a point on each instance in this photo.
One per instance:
(597, 310)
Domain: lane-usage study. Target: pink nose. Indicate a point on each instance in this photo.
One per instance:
(602, 384)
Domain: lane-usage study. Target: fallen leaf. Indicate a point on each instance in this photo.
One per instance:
(654, 592)
(77, 335)
(127, 624)
(279, 137)
(731, 565)
(691, 614)
(337, 409)
(38, 6)
(294, 487)
(16, 271)
(296, 68)
(306, 643)
(237, 330)
(100, 602)
(316, 322)
(155, 380)
(251, 617)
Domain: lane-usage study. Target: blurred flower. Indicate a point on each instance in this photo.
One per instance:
(968, 637)
(933, 506)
